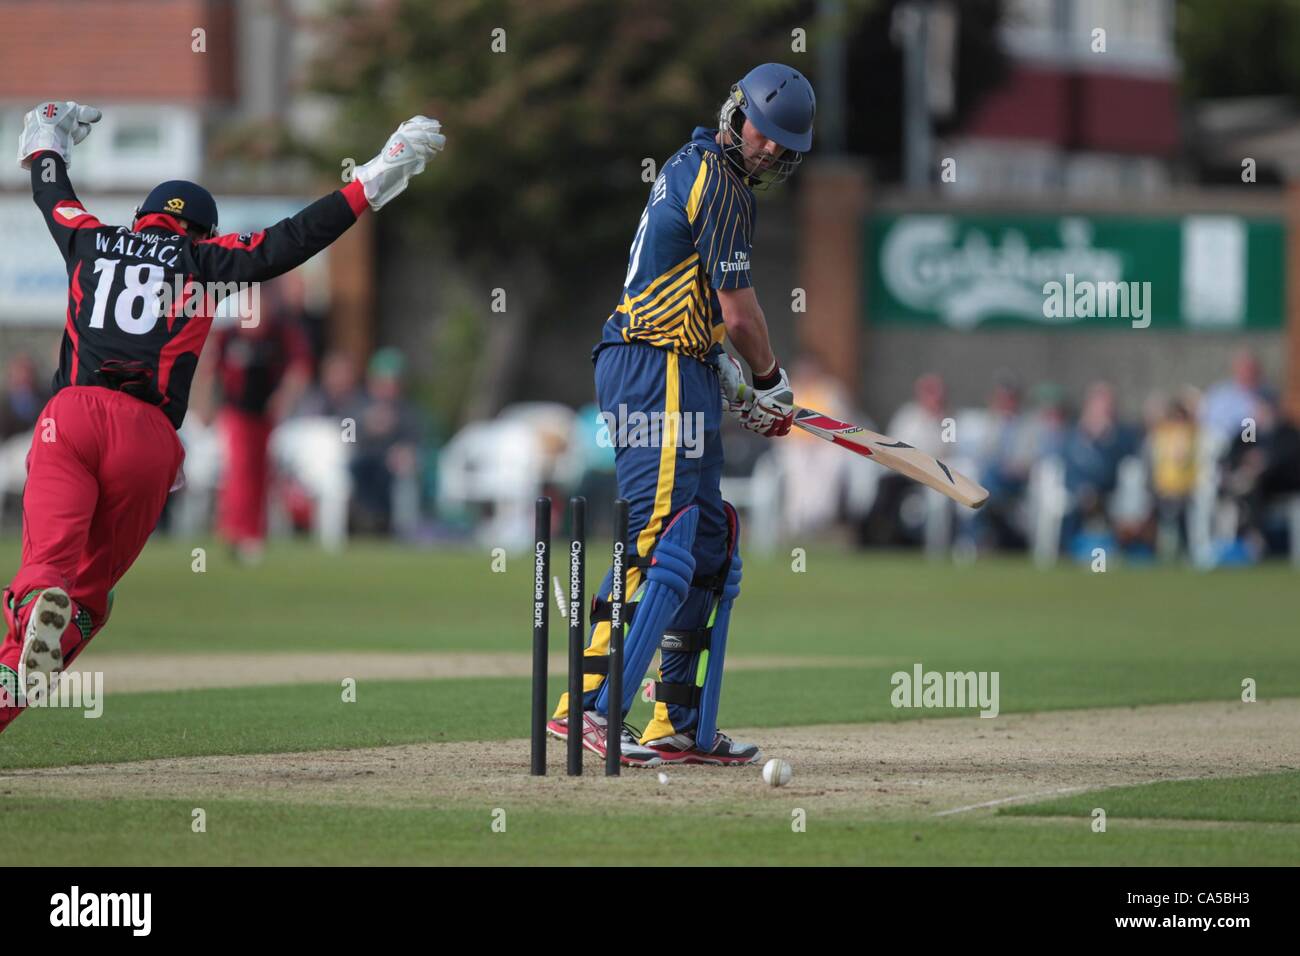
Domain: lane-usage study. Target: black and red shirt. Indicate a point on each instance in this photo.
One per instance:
(114, 336)
(252, 362)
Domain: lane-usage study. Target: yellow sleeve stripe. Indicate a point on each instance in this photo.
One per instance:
(697, 193)
(721, 197)
(716, 249)
(726, 206)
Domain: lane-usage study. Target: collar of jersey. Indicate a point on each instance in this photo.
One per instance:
(157, 220)
(706, 138)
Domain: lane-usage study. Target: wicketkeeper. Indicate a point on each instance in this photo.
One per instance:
(105, 452)
(688, 289)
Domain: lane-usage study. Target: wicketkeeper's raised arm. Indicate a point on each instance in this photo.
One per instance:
(259, 256)
(54, 196)
(45, 147)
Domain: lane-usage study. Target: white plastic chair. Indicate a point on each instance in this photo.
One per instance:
(1292, 506)
(941, 511)
(499, 464)
(552, 424)
(1048, 502)
(757, 496)
(192, 512)
(1203, 507)
(861, 483)
(1131, 500)
(313, 453)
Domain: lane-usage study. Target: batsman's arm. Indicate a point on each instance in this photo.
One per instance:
(53, 194)
(747, 328)
(721, 219)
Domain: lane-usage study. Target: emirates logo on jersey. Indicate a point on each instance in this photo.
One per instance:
(741, 263)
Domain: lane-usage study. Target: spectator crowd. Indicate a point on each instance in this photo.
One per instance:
(1218, 469)
(1212, 475)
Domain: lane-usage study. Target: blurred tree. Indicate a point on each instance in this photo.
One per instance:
(1244, 48)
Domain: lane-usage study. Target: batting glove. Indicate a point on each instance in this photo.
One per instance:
(56, 127)
(405, 154)
(731, 380)
(773, 403)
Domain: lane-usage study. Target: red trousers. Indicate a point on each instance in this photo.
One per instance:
(98, 474)
(241, 502)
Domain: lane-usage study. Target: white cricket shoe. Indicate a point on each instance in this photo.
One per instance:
(631, 753)
(42, 658)
(725, 752)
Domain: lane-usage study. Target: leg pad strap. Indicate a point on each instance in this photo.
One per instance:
(684, 695)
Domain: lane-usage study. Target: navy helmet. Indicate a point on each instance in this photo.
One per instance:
(184, 200)
(779, 101)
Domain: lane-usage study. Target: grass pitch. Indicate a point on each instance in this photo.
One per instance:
(872, 780)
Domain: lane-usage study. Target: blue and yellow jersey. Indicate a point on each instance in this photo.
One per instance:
(693, 239)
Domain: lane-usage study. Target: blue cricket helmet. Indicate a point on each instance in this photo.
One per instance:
(779, 101)
(185, 200)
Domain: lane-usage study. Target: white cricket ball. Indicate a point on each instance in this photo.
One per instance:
(663, 777)
(777, 773)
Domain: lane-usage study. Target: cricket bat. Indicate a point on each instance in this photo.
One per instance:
(897, 455)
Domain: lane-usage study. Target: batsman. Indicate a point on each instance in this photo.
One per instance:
(689, 289)
(105, 451)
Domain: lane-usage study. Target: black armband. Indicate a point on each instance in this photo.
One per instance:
(770, 380)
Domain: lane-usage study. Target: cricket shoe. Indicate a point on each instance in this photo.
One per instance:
(725, 752)
(42, 657)
(631, 753)
(558, 727)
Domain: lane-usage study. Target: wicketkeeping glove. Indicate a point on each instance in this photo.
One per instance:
(405, 154)
(56, 127)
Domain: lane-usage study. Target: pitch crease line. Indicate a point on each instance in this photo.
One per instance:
(1024, 796)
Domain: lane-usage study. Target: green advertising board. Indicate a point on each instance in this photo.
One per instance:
(968, 272)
